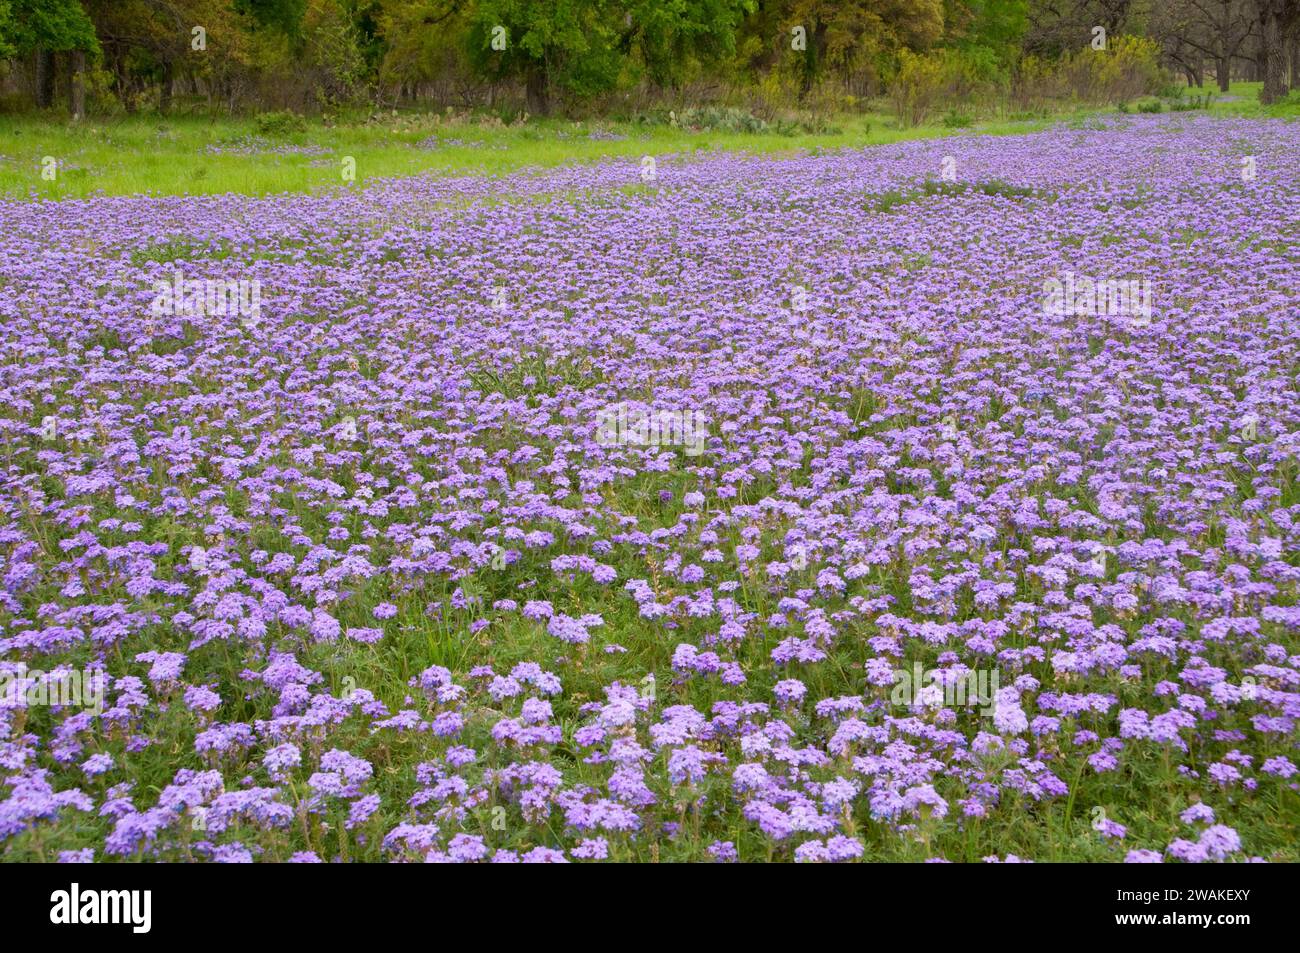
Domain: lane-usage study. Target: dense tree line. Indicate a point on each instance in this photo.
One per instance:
(142, 54)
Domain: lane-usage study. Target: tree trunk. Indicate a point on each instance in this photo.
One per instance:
(1223, 73)
(1295, 57)
(44, 79)
(77, 85)
(1271, 50)
(538, 101)
(812, 59)
(165, 90)
(117, 67)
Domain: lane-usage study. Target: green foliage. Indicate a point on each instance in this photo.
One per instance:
(571, 43)
(1179, 101)
(917, 86)
(959, 59)
(1128, 68)
(279, 123)
(888, 201)
(54, 25)
(420, 43)
(848, 35)
(7, 48)
(718, 118)
(670, 35)
(992, 28)
(283, 15)
(961, 77)
(339, 53)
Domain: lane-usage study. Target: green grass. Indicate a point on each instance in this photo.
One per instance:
(171, 156)
(1241, 100)
(182, 155)
(190, 155)
(1245, 102)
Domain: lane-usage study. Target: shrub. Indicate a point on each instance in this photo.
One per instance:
(1187, 104)
(917, 86)
(279, 123)
(717, 119)
(1127, 69)
(957, 77)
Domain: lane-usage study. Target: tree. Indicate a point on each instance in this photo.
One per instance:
(1217, 29)
(1056, 26)
(569, 43)
(283, 15)
(582, 46)
(1295, 56)
(1277, 18)
(43, 28)
(423, 42)
(141, 41)
(669, 34)
(150, 44)
(839, 33)
(6, 30)
(995, 25)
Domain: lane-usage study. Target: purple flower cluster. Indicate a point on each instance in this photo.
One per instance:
(368, 582)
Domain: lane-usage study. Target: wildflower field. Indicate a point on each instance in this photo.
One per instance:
(935, 501)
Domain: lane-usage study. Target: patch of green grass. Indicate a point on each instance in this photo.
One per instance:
(888, 201)
(281, 152)
(277, 153)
